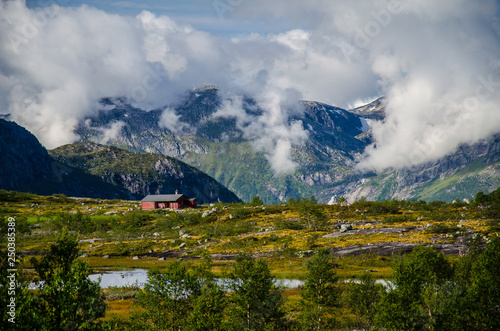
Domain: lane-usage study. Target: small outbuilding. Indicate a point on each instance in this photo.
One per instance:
(164, 201)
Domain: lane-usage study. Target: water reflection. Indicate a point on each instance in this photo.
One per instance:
(140, 276)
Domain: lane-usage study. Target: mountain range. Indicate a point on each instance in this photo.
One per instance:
(96, 171)
(127, 152)
(219, 146)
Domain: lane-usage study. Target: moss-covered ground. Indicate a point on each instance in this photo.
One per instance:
(278, 233)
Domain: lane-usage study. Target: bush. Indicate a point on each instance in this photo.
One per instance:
(441, 228)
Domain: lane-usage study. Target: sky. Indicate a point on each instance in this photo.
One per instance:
(438, 63)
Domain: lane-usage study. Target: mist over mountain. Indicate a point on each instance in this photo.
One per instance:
(223, 144)
(435, 61)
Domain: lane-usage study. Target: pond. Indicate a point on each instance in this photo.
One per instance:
(140, 277)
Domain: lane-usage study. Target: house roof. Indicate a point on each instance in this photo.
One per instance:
(162, 197)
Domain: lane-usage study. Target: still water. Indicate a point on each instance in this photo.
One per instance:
(140, 277)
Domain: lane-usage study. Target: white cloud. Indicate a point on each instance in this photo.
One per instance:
(437, 61)
(112, 133)
(169, 120)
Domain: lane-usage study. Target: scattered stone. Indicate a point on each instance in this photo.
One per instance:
(305, 253)
(283, 212)
(345, 227)
(150, 251)
(156, 234)
(105, 257)
(84, 255)
(182, 232)
(429, 225)
(111, 212)
(161, 259)
(231, 216)
(136, 257)
(205, 214)
(182, 245)
(215, 209)
(185, 236)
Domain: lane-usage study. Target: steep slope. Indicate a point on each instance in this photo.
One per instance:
(470, 169)
(374, 110)
(143, 174)
(27, 167)
(326, 162)
(216, 145)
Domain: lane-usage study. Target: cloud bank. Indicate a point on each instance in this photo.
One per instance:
(437, 62)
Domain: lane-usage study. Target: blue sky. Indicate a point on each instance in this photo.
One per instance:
(214, 16)
(437, 61)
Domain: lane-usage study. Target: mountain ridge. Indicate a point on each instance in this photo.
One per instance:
(143, 174)
(326, 161)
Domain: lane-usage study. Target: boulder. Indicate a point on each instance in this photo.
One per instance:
(345, 227)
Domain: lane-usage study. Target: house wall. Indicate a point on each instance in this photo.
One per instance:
(149, 205)
(179, 204)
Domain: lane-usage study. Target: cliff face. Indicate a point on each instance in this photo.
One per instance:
(326, 162)
(217, 145)
(26, 166)
(472, 168)
(143, 174)
(23, 160)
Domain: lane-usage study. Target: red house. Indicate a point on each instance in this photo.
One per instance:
(162, 201)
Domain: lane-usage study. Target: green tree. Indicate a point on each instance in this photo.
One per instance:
(168, 296)
(256, 201)
(412, 303)
(320, 292)
(484, 291)
(69, 300)
(25, 307)
(311, 213)
(207, 310)
(256, 303)
(77, 222)
(362, 298)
